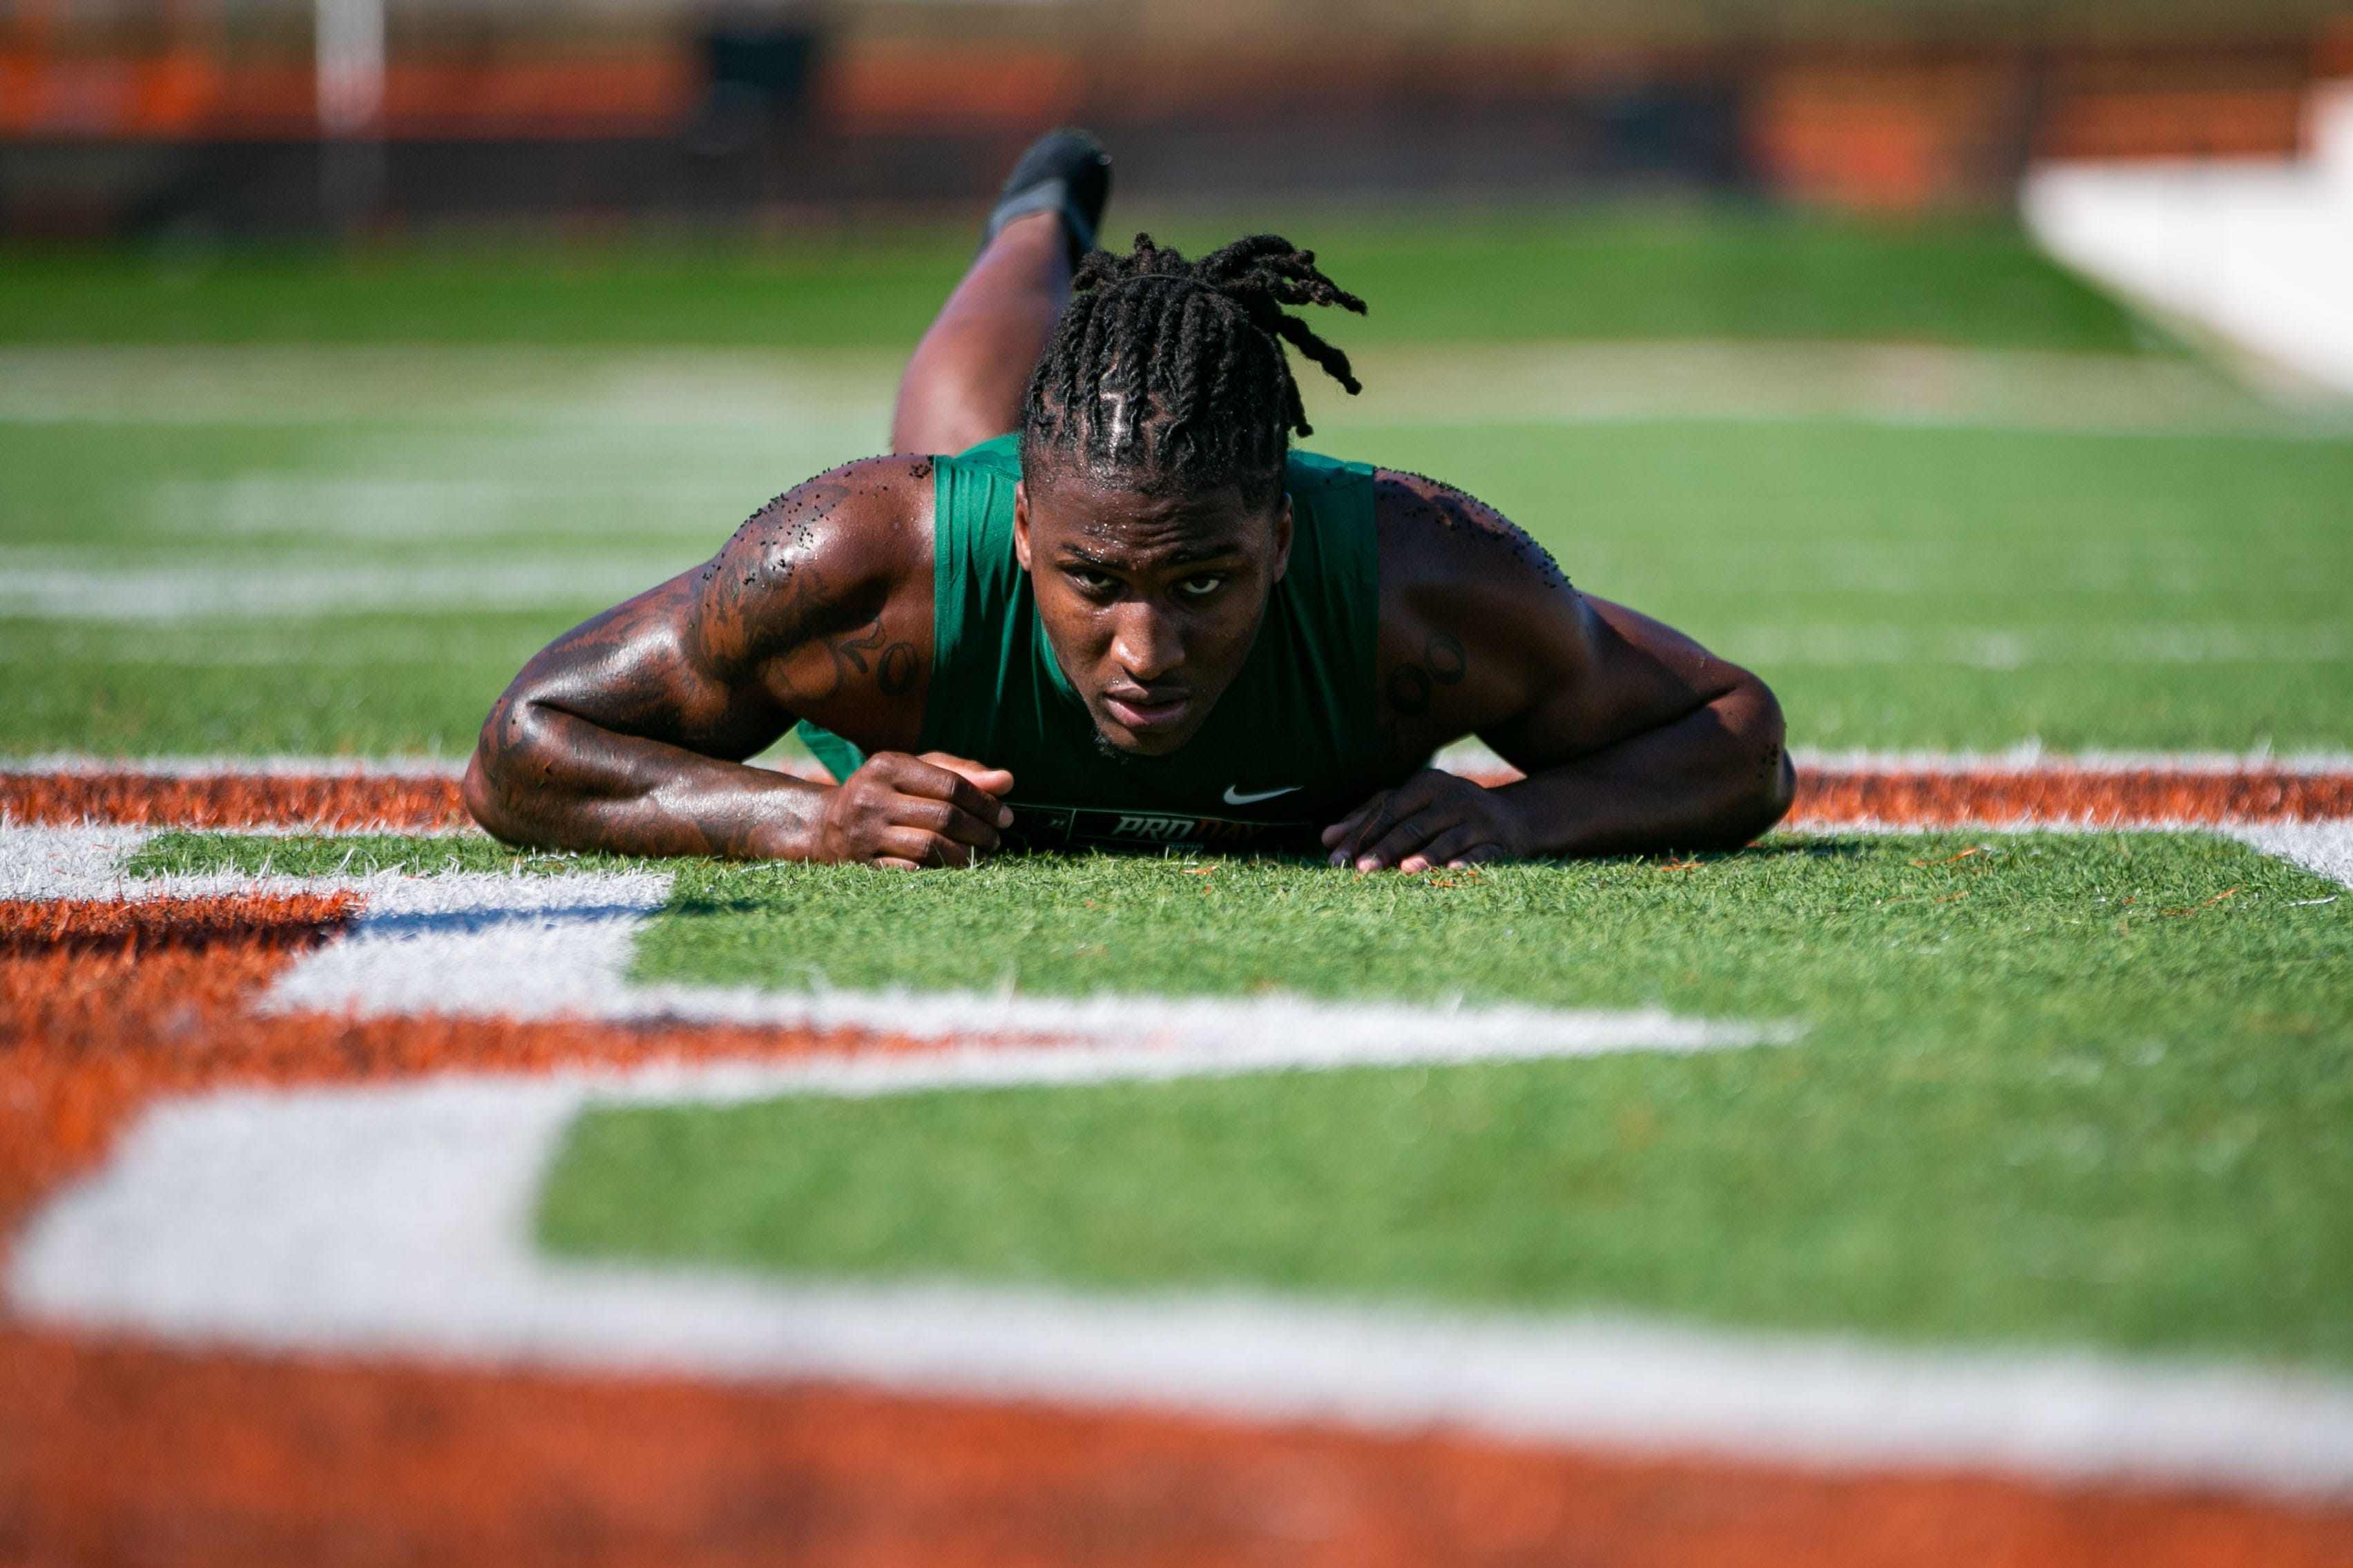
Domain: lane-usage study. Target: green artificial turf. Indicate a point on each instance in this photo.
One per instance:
(2064, 1089)
(335, 586)
(352, 854)
(1958, 588)
(1441, 276)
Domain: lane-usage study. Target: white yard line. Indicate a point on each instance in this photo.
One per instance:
(281, 765)
(2323, 848)
(398, 1221)
(544, 947)
(512, 945)
(617, 386)
(40, 583)
(843, 396)
(2032, 757)
(1471, 755)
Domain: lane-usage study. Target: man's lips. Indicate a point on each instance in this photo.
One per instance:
(1147, 709)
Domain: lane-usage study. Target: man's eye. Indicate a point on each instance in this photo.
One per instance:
(1090, 582)
(1202, 586)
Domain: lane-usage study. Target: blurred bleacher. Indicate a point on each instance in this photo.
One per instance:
(124, 116)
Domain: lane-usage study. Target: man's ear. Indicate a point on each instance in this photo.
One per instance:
(1282, 538)
(1021, 523)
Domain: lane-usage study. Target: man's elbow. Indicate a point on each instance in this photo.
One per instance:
(490, 785)
(1763, 780)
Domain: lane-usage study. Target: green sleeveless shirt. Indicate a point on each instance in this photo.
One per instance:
(1289, 749)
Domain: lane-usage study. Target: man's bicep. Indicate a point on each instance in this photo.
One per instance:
(1601, 674)
(702, 661)
(639, 670)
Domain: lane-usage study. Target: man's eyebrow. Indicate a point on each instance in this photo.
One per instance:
(1079, 555)
(1204, 553)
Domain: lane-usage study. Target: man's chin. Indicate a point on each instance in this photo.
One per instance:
(1123, 745)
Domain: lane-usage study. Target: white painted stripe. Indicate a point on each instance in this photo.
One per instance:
(2254, 835)
(2323, 848)
(610, 390)
(1471, 755)
(782, 758)
(1893, 383)
(72, 862)
(31, 585)
(843, 395)
(2031, 757)
(516, 945)
(1773, 646)
(281, 765)
(398, 1221)
(543, 947)
(86, 863)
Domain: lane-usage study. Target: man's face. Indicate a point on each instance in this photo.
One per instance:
(1151, 602)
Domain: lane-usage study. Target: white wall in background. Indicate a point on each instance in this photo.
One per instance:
(2259, 253)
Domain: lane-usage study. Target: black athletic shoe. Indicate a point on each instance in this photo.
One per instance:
(1065, 172)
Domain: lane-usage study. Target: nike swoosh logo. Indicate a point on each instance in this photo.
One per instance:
(1236, 797)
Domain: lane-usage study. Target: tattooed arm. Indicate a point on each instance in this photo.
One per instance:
(1634, 737)
(629, 732)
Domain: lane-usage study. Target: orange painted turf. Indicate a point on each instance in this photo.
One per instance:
(234, 800)
(1898, 796)
(113, 1451)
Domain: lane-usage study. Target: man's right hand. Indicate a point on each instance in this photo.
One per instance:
(909, 812)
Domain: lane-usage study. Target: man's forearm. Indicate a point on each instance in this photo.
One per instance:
(1716, 777)
(544, 777)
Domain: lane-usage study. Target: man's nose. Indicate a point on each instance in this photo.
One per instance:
(1146, 644)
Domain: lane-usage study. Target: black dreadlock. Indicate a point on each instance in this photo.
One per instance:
(1171, 373)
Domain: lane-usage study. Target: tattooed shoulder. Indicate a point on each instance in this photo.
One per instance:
(813, 563)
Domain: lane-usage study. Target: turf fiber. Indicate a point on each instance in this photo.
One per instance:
(2055, 1089)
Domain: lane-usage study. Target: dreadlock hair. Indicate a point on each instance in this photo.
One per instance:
(1170, 374)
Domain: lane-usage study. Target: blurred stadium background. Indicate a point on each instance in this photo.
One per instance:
(270, 116)
(276, 115)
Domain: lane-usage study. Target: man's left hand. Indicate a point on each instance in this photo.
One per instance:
(1434, 818)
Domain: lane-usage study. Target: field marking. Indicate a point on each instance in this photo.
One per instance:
(33, 584)
(85, 764)
(1851, 644)
(2323, 848)
(1602, 381)
(528, 946)
(2033, 757)
(559, 946)
(398, 1221)
(846, 392)
(2021, 790)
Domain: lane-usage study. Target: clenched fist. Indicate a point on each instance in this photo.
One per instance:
(908, 811)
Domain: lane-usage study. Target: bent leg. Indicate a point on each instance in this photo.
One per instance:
(965, 381)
